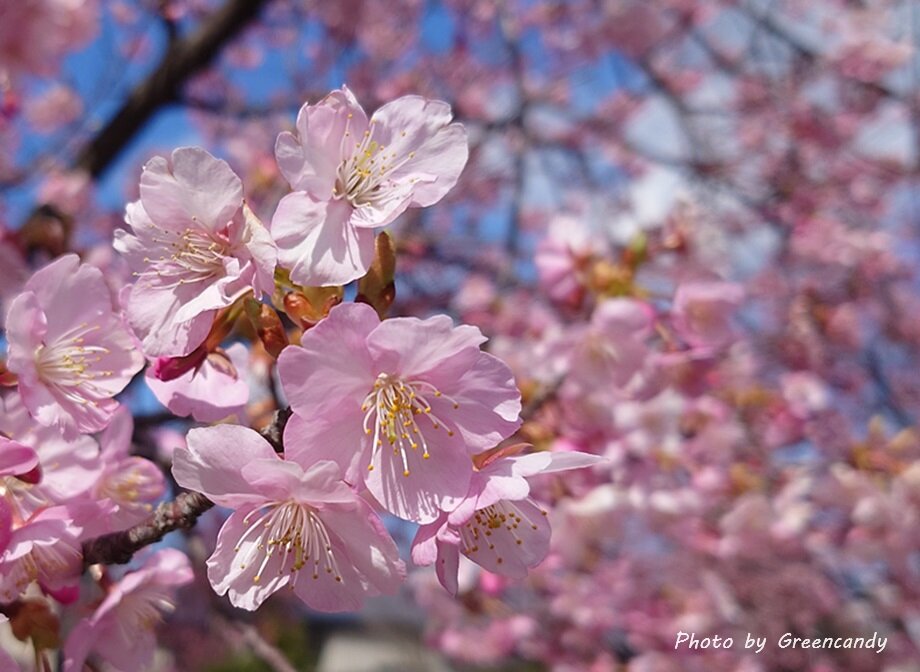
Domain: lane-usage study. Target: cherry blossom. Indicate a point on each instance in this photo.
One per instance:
(564, 256)
(35, 35)
(45, 548)
(689, 233)
(497, 526)
(294, 526)
(120, 630)
(71, 357)
(351, 175)
(401, 405)
(68, 468)
(195, 246)
(703, 310)
(129, 482)
(18, 463)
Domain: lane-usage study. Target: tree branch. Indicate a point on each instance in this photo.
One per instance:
(183, 59)
(119, 547)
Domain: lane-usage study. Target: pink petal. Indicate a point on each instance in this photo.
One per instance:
(59, 282)
(233, 566)
(323, 482)
(332, 364)
(322, 592)
(6, 525)
(315, 241)
(309, 161)
(424, 549)
(26, 327)
(192, 187)
(416, 125)
(259, 244)
(208, 393)
(152, 308)
(116, 439)
(489, 404)
(212, 461)
(553, 462)
(448, 566)
(15, 458)
(432, 349)
(367, 546)
(433, 485)
(500, 553)
(340, 439)
(273, 478)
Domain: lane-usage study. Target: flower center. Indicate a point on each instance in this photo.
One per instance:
(392, 407)
(480, 533)
(361, 177)
(291, 532)
(190, 256)
(68, 364)
(131, 483)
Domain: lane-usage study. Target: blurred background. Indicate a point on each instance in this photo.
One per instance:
(743, 171)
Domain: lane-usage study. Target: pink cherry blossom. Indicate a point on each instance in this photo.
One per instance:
(563, 258)
(71, 352)
(15, 458)
(130, 483)
(703, 310)
(400, 404)
(68, 468)
(54, 108)
(213, 390)
(351, 175)
(613, 348)
(70, 192)
(121, 629)
(45, 548)
(291, 526)
(497, 526)
(196, 248)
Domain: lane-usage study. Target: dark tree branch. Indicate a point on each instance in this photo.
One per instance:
(183, 59)
(119, 547)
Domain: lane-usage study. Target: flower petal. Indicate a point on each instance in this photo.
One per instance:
(332, 364)
(192, 187)
(436, 484)
(339, 439)
(236, 562)
(316, 242)
(211, 463)
(309, 160)
(432, 349)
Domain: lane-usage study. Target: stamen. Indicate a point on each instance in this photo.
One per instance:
(296, 533)
(392, 407)
(501, 518)
(363, 177)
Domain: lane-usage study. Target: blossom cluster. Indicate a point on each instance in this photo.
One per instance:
(403, 416)
(689, 228)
